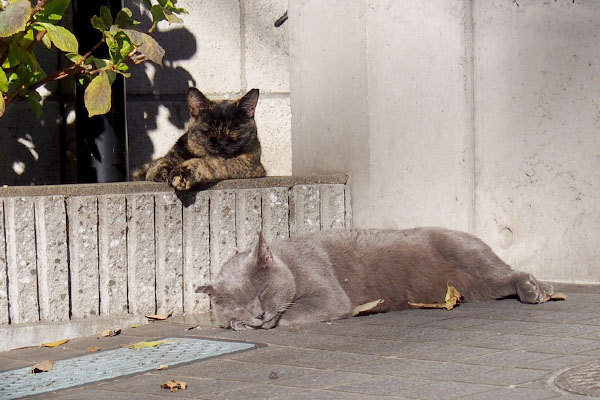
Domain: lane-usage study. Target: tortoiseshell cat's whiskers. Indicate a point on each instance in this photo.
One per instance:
(221, 143)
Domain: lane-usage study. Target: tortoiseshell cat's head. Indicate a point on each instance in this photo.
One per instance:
(224, 127)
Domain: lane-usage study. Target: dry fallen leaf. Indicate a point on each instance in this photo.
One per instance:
(453, 296)
(93, 349)
(192, 327)
(159, 317)
(174, 385)
(111, 332)
(161, 367)
(145, 345)
(135, 326)
(364, 308)
(55, 344)
(556, 297)
(273, 375)
(42, 366)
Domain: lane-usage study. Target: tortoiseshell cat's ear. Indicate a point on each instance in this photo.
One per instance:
(248, 102)
(197, 102)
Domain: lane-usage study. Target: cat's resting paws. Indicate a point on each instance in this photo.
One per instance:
(180, 179)
(157, 174)
(530, 290)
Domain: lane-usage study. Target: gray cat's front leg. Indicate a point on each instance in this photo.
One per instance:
(317, 309)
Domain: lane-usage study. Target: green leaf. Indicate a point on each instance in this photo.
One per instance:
(97, 95)
(61, 37)
(74, 57)
(146, 45)
(14, 17)
(35, 101)
(2, 106)
(46, 40)
(158, 13)
(53, 11)
(98, 23)
(124, 19)
(106, 16)
(3, 82)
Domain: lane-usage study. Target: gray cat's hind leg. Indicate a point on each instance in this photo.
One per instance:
(530, 290)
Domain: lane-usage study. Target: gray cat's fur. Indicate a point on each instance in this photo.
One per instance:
(324, 276)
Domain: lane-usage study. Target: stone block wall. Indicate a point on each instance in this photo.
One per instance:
(114, 252)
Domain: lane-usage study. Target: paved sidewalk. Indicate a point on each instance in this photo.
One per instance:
(493, 350)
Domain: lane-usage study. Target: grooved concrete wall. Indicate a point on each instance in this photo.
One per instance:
(478, 115)
(77, 252)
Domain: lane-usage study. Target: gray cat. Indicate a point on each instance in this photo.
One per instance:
(324, 276)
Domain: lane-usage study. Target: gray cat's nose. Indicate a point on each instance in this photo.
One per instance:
(261, 315)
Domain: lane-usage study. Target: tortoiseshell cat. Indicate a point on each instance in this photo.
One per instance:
(324, 276)
(221, 143)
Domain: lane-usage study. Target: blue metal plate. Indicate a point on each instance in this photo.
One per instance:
(111, 364)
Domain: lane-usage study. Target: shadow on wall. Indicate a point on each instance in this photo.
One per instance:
(152, 88)
(30, 147)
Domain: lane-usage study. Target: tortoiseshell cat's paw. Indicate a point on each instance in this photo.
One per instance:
(180, 179)
(157, 174)
(530, 290)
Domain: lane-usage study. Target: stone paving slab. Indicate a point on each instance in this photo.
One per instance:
(492, 350)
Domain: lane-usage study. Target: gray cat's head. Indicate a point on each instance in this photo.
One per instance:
(252, 289)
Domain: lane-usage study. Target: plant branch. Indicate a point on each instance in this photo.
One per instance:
(73, 70)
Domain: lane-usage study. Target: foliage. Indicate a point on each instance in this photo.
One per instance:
(23, 26)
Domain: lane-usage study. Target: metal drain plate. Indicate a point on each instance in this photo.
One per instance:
(111, 364)
(583, 379)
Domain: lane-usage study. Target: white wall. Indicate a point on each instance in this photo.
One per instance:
(478, 115)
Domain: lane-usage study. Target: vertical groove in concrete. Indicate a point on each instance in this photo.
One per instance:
(22, 269)
(471, 150)
(248, 216)
(83, 242)
(348, 207)
(223, 244)
(275, 213)
(332, 207)
(3, 271)
(169, 256)
(304, 209)
(112, 227)
(141, 259)
(196, 252)
(52, 263)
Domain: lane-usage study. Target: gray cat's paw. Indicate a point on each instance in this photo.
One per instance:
(240, 326)
(531, 291)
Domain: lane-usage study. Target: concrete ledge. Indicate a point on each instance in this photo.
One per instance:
(82, 252)
(97, 189)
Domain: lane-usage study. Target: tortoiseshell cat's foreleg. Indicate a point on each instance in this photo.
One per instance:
(159, 170)
(204, 170)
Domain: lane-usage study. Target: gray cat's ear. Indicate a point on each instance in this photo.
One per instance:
(197, 102)
(248, 102)
(264, 255)
(206, 289)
